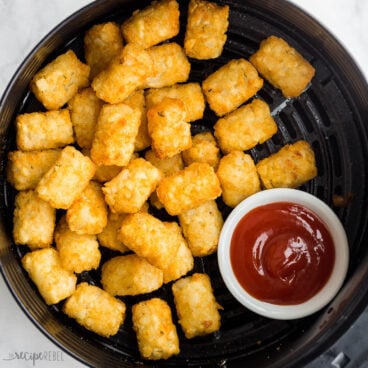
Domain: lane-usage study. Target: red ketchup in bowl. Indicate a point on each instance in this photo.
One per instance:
(282, 253)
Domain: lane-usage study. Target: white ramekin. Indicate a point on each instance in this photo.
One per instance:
(333, 225)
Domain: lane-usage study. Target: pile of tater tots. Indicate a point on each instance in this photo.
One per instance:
(114, 141)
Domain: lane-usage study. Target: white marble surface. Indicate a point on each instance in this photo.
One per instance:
(22, 24)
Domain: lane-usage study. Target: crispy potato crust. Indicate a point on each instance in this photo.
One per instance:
(126, 73)
(53, 282)
(44, 130)
(183, 261)
(245, 127)
(156, 332)
(84, 110)
(33, 220)
(77, 252)
(283, 66)
(130, 275)
(95, 309)
(114, 139)
(167, 128)
(137, 100)
(56, 83)
(231, 85)
(109, 236)
(88, 213)
(204, 149)
(196, 305)
(188, 188)
(146, 27)
(201, 227)
(238, 177)
(292, 166)
(189, 93)
(25, 169)
(66, 179)
(170, 65)
(149, 238)
(102, 42)
(206, 28)
(104, 173)
(167, 166)
(130, 189)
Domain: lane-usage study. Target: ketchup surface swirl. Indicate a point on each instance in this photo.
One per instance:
(282, 253)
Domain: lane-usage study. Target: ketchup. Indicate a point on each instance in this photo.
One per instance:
(282, 253)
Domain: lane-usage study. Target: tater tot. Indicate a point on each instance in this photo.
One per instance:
(156, 333)
(44, 130)
(290, 167)
(104, 173)
(56, 83)
(53, 282)
(167, 128)
(155, 23)
(204, 149)
(114, 139)
(155, 202)
(196, 305)
(231, 85)
(84, 110)
(283, 66)
(206, 28)
(126, 73)
(189, 93)
(188, 188)
(201, 228)
(238, 177)
(77, 252)
(25, 169)
(167, 166)
(149, 238)
(183, 261)
(130, 189)
(66, 179)
(88, 213)
(108, 238)
(170, 65)
(130, 275)
(33, 220)
(95, 309)
(137, 100)
(102, 42)
(245, 127)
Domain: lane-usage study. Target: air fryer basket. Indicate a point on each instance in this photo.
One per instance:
(332, 115)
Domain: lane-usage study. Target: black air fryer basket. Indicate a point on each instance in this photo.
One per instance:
(332, 115)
